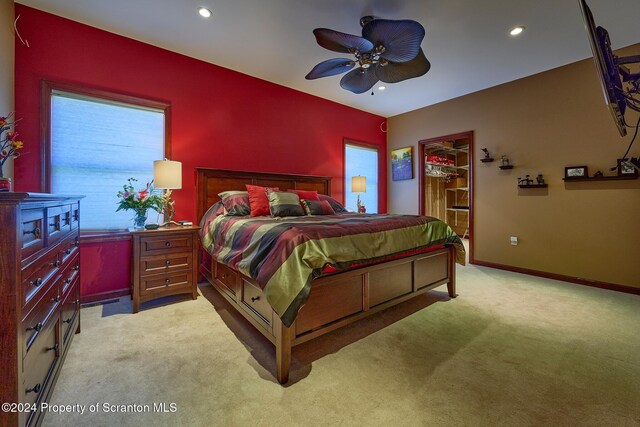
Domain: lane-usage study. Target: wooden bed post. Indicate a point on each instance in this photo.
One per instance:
(451, 284)
(283, 348)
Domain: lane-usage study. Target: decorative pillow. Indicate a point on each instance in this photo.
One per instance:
(337, 206)
(317, 207)
(258, 199)
(306, 194)
(236, 203)
(284, 203)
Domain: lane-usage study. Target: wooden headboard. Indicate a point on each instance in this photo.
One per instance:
(210, 182)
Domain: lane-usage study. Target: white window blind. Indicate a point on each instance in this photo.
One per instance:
(361, 161)
(96, 145)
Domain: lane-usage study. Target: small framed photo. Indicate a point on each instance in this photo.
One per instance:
(626, 168)
(576, 172)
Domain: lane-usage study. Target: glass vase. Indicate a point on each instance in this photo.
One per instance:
(140, 218)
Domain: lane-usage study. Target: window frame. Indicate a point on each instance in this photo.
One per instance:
(46, 91)
(367, 146)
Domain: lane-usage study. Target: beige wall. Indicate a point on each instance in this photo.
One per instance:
(6, 65)
(543, 123)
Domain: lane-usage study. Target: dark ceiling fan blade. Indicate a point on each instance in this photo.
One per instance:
(395, 72)
(330, 67)
(341, 42)
(401, 39)
(359, 80)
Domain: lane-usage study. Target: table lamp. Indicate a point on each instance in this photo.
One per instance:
(359, 185)
(167, 174)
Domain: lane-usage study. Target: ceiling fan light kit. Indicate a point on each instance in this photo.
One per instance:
(388, 51)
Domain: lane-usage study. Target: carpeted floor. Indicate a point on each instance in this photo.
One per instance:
(511, 350)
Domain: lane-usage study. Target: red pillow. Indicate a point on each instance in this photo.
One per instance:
(306, 194)
(258, 199)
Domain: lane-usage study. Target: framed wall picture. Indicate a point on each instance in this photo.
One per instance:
(402, 164)
(576, 172)
(626, 168)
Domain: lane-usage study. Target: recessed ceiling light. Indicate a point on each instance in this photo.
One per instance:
(382, 87)
(516, 30)
(204, 12)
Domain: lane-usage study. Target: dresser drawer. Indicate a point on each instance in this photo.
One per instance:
(69, 310)
(254, 300)
(70, 272)
(227, 277)
(34, 323)
(37, 276)
(170, 243)
(58, 223)
(39, 363)
(74, 216)
(69, 247)
(165, 263)
(169, 281)
(32, 230)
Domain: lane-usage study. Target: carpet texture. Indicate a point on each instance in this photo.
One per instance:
(511, 350)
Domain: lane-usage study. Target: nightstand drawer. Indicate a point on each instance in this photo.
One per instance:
(165, 263)
(172, 281)
(173, 243)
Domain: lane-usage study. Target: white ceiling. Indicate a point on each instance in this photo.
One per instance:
(466, 41)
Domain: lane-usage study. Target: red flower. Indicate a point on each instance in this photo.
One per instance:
(143, 194)
(11, 136)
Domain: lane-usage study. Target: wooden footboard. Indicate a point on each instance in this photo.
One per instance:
(335, 299)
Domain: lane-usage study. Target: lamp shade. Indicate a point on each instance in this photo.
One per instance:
(358, 184)
(167, 174)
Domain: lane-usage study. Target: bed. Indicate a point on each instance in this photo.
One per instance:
(290, 307)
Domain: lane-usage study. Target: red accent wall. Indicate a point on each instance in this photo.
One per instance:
(220, 118)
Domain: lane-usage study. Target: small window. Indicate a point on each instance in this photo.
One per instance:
(96, 144)
(361, 161)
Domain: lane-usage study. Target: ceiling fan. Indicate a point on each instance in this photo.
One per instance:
(389, 50)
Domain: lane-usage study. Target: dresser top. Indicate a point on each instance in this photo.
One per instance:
(13, 197)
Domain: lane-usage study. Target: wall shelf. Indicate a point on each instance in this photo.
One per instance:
(533, 186)
(601, 178)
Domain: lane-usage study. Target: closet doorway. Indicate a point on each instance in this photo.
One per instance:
(446, 182)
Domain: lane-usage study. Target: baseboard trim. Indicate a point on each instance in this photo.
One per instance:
(86, 299)
(577, 280)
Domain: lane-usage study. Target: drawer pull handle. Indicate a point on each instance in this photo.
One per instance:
(56, 263)
(77, 242)
(68, 251)
(167, 263)
(76, 302)
(167, 281)
(68, 320)
(254, 299)
(35, 390)
(76, 268)
(56, 299)
(37, 282)
(68, 281)
(76, 216)
(35, 232)
(224, 275)
(37, 327)
(54, 348)
(167, 244)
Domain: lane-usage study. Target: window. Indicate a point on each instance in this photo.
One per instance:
(95, 145)
(363, 161)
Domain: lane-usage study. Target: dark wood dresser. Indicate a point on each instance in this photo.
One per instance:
(39, 298)
(165, 262)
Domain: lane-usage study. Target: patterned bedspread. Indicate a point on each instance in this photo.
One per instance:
(283, 255)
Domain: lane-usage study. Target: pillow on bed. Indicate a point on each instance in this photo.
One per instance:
(284, 203)
(236, 203)
(336, 205)
(258, 199)
(306, 194)
(317, 207)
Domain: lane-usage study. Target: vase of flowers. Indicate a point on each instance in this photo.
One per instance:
(140, 201)
(9, 148)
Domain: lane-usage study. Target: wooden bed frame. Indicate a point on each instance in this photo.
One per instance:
(335, 299)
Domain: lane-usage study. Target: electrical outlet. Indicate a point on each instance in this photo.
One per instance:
(514, 240)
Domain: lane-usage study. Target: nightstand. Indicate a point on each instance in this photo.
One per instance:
(164, 263)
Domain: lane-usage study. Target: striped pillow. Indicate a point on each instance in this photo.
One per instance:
(283, 203)
(334, 203)
(317, 207)
(236, 203)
